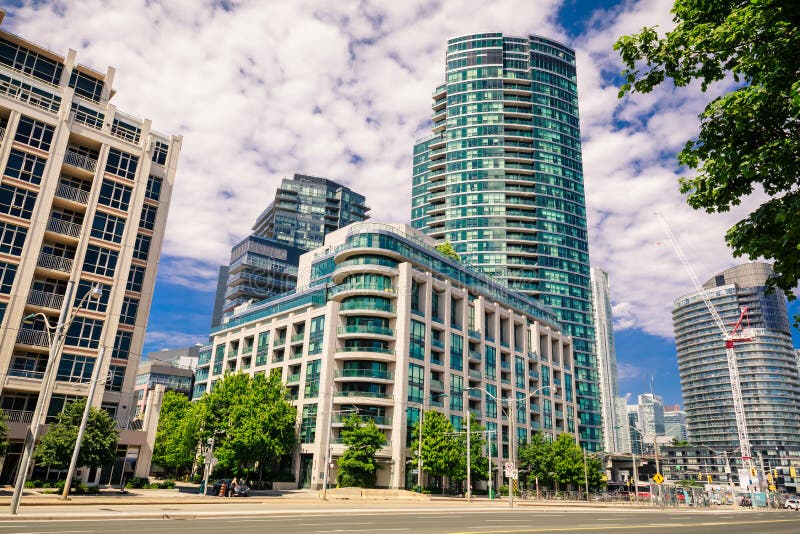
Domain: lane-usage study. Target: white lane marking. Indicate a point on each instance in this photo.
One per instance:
(362, 530)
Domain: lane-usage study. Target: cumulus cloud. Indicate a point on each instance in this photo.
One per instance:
(263, 89)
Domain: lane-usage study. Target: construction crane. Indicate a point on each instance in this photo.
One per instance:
(737, 334)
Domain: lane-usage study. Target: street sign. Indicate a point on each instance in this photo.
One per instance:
(508, 467)
(658, 478)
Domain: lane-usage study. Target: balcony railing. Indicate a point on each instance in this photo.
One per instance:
(364, 373)
(370, 394)
(366, 348)
(18, 416)
(80, 161)
(36, 338)
(57, 263)
(366, 329)
(379, 419)
(293, 378)
(64, 227)
(72, 193)
(45, 299)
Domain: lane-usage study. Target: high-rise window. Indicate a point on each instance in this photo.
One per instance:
(8, 271)
(84, 332)
(121, 164)
(148, 217)
(115, 195)
(17, 202)
(153, 190)
(34, 133)
(25, 167)
(12, 238)
(135, 279)
(122, 345)
(130, 307)
(100, 260)
(108, 227)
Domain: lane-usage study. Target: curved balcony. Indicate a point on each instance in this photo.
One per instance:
(362, 374)
(374, 307)
(366, 397)
(364, 353)
(367, 331)
(380, 420)
(357, 288)
(382, 266)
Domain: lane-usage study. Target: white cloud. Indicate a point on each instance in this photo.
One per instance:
(261, 90)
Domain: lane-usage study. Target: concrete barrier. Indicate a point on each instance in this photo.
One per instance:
(370, 494)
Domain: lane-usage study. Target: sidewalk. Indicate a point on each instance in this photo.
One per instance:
(174, 504)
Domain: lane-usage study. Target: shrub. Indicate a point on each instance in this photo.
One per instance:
(167, 484)
(137, 482)
(30, 484)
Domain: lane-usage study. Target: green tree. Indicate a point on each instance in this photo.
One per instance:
(178, 433)
(358, 465)
(99, 443)
(536, 460)
(447, 249)
(679, 443)
(251, 418)
(3, 433)
(749, 137)
(441, 450)
(567, 461)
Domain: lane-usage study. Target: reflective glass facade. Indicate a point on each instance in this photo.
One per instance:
(767, 367)
(501, 179)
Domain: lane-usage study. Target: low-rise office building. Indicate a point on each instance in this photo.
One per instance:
(390, 326)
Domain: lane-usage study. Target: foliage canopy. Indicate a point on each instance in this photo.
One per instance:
(358, 465)
(749, 137)
(99, 443)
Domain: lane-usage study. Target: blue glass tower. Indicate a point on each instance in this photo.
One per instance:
(501, 179)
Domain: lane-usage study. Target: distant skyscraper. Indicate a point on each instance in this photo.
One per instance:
(306, 208)
(622, 429)
(675, 423)
(651, 417)
(768, 371)
(84, 196)
(501, 179)
(614, 422)
(633, 428)
(264, 264)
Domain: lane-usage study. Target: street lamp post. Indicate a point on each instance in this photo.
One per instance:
(512, 408)
(48, 383)
(469, 446)
(77, 449)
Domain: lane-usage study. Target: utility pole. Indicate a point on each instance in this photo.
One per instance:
(511, 456)
(763, 478)
(419, 448)
(469, 445)
(586, 475)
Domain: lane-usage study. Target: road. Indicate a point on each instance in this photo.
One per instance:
(435, 522)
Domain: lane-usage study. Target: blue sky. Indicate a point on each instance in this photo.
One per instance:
(261, 90)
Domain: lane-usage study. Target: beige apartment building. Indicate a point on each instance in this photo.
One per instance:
(388, 325)
(84, 195)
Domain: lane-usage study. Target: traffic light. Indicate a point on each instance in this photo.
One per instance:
(792, 472)
(709, 478)
(774, 473)
(753, 471)
(699, 476)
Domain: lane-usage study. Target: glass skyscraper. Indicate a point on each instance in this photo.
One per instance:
(264, 264)
(501, 179)
(768, 372)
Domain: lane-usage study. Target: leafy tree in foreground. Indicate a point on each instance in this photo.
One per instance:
(447, 249)
(536, 459)
(358, 465)
(750, 137)
(441, 451)
(178, 433)
(99, 443)
(251, 418)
